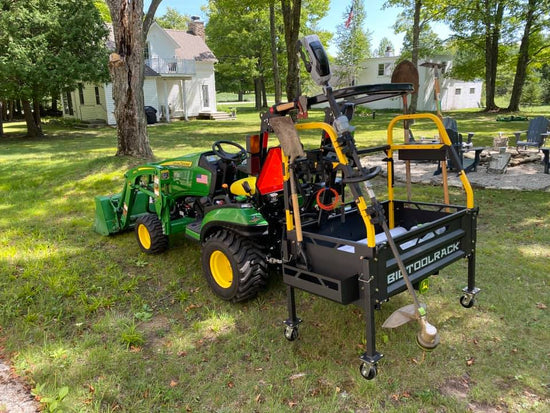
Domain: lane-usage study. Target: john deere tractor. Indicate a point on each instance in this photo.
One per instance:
(310, 211)
(212, 197)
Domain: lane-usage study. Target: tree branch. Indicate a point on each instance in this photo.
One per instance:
(150, 16)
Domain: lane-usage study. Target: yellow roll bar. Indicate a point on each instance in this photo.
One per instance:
(444, 139)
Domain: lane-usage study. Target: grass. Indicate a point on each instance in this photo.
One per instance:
(123, 331)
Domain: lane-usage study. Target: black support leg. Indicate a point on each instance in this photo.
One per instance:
(371, 356)
(468, 299)
(292, 320)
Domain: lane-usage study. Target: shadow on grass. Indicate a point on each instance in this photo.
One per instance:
(74, 301)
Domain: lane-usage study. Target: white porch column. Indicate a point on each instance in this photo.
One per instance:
(183, 95)
(167, 108)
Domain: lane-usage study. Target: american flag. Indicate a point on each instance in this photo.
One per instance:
(350, 18)
(202, 179)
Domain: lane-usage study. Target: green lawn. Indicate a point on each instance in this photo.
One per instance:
(124, 331)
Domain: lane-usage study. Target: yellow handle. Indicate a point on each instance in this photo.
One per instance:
(444, 138)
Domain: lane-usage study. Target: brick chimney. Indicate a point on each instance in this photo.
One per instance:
(196, 27)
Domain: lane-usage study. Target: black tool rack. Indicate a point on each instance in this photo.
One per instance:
(345, 267)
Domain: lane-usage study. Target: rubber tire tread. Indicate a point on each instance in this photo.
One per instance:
(252, 274)
(159, 241)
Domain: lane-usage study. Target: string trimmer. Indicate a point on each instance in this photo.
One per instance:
(316, 63)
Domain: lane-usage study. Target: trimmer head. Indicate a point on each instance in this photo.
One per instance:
(427, 337)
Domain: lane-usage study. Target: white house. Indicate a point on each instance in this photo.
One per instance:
(179, 79)
(454, 93)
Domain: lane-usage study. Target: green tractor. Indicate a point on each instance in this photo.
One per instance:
(212, 197)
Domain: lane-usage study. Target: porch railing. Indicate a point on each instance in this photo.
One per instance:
(173, 66)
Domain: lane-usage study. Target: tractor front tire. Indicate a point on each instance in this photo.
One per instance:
(233, 267)
(150, 237)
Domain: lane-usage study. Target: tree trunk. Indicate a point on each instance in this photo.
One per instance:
(257, 93)
(523, 58)
(1, 119)
(492, 37)
(126, 67)
(55, 104)
(240, 96)
(17, 110)
(291, 19)
(274, 55)
(33, 130)
(36, 113)
(264, 92)
(415, 47)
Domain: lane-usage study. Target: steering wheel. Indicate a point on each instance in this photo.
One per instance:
(236, 157)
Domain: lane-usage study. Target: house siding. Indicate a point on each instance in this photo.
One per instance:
(450, 100)
(110, 104)
(90, 109)
(150, 93)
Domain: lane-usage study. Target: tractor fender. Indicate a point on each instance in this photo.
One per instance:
(245, 221)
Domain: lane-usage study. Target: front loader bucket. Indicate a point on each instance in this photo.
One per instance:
(106, 221)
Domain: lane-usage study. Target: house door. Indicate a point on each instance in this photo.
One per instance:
(205, 97)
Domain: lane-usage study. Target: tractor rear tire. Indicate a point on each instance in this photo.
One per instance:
(233, 267)
(150, 236)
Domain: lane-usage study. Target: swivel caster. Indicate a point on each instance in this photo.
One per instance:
(368, 371)
(291, 333)
(467, 301)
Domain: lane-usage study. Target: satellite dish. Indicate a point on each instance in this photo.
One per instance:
(406, 72)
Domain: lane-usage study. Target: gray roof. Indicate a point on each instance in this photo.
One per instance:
(191, 47)
(149, 72)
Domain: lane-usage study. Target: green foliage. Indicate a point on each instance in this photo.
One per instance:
(130, 336)
(55, 403)
(49, 46)
(103, 10)
(532, 93)
(172, 19)
(429, 43)
(353, 43)
(238, 34)
(385, 43)
(239, 37)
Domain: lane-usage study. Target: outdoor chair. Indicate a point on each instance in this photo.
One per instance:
(460, 147)
(537, 131)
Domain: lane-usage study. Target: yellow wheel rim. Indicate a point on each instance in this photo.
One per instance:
(144, 236)
(221, 270)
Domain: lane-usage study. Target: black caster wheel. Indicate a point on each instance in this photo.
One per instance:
(291, 333)
(368, 371)
(467, 301)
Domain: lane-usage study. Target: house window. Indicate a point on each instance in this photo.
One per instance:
(81, 93)
(97, 97)
(381, 68)
(458, 91)
(472, 90)
(146, 51)
(68, 104)
(205, 96)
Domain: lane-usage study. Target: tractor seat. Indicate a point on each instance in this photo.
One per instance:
(237, 188)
